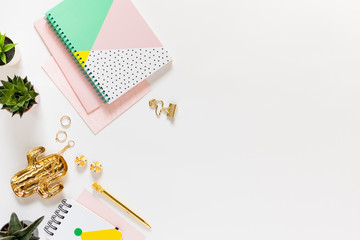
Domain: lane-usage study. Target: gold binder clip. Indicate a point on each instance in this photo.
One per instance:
(170, 110)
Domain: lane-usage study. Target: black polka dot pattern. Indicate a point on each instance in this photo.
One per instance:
(117, 71)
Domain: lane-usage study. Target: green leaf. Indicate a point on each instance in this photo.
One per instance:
(21, 85)
(7, 85)
(11, 100)
(8, 47)
(21, 111)
(23, 99)
(14, 224)
(7, 93)
(3, 57)
(33, 94)
(8, 238)
(21, 104)
(15, 81)
(27, 85)
(25, 233)
(21, 89)
(34, 238)
(2, 40)
(3, 234)
(32, 102)
(5, 100)
(14, 109)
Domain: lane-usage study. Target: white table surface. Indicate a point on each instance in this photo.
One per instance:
(266, 141)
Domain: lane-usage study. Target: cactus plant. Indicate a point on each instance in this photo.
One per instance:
(17, 95)
(7, 50)
(17, 231)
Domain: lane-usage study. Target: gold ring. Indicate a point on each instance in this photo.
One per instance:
(65, 121)
(59, 138)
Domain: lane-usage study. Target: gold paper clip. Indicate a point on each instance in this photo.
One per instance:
(170, 110)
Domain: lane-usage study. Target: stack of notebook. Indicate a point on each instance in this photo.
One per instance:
(105, 50)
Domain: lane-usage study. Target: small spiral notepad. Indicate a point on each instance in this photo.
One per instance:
(71, 221)
(110, 42)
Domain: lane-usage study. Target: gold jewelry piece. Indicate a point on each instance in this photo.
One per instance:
(61, 136)
(81, 161)
(96, 167)
(170, 110)
(70, 144)
(65, 121)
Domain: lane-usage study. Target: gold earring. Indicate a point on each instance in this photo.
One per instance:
(65, 121)
(170, 110)
(61, 136)
(96, 167)
(81, 161)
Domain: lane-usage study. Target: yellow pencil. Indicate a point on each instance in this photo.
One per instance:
(101, 190)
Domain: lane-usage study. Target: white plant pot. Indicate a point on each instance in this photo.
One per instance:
(15, 60)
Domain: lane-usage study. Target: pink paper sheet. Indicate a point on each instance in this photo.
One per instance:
(83, 89)
(101, 117)
(95, 205)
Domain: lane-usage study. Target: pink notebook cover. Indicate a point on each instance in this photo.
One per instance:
(98, 207)
(101, 117)
(129, 23)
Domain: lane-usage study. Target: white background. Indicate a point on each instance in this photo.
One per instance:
(266, 141)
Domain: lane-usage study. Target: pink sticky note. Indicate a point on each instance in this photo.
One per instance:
(96, 206)
(101, 117)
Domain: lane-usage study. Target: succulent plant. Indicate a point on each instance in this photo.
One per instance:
(17, 231)
(17, 95)
(5, 46)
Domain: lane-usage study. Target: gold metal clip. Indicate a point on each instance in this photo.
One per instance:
(170, 110)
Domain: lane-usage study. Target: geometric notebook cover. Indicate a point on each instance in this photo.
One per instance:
(111, 43)
(72, 221)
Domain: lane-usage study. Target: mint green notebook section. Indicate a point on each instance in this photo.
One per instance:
(80, 21)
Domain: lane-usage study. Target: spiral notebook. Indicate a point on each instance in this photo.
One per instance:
(110, 41)
(73, 221)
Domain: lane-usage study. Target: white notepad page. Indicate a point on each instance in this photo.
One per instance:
(74, 217)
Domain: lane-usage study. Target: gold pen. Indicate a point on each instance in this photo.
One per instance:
(100, 189)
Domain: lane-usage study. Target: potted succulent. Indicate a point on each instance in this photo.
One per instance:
(17, 95)
(16, 230)
(9, 54)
